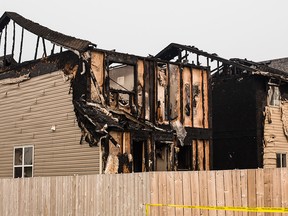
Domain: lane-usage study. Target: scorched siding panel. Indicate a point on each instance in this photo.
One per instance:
(28, 112)
(275, 140)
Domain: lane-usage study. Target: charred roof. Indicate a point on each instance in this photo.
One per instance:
(44, 32)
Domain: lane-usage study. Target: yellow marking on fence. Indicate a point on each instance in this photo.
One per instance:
(225, 208)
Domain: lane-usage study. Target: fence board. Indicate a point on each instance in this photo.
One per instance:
(252, 202)
(244, 189)
(236, 190)
(203, 191)
(212, 192)
(170, 192)
(162, 192)
(260, 190)
(187, 200)
(276, 189)
(284, 185)
(127, 194)
(154, 193)
(178, 192)
(228, 191)
(195, 192)
(220, 191)
(268, 174)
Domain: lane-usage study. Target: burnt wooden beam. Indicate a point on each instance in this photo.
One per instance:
(0, 38)
(5, 45)
(13, 43)
(197, 133)
(107, 83)
(44, 47)
(210, 118)
(152, 92)
(53, 48)
(121, 58)
(181, 95)
(144, 89)
(168, 92)
(36, 50)
(203, 97)
(21, 45)
(192, 108)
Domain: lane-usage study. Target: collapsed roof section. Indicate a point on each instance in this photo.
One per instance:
(262, 68)
(221, 66)
(44, 32)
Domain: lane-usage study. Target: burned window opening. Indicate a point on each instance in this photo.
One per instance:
(274, 96)
(138, 152)
(122, 86)
(184, 157)
(163, 152)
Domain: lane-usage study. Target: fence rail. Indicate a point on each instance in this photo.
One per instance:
(127, 194)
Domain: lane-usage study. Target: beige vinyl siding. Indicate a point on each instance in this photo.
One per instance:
(275, 139)
(27, 113)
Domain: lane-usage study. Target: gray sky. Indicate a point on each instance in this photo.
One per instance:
(252, 29)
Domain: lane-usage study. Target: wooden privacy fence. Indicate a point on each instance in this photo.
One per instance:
(127, 194)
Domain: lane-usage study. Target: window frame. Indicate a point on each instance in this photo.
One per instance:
(282, 155)
(22, 166)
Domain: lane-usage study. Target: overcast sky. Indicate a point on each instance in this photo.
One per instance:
(252, 29)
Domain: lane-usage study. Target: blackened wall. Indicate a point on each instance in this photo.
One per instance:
(236, 117)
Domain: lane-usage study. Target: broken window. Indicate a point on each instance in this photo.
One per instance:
(23, 162)
(280, 160)
(162, 156)
(273, 95)
(122, 85)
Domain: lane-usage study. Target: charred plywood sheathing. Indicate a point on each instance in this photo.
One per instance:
(15, 80)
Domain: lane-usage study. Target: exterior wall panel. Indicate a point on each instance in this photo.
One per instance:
(28, 111)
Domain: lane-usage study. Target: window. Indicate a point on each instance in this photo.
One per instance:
(280, 160)
(23, 162)
(273, 96)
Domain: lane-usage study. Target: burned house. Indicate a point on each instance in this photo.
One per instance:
(72, 108)
(250, 115)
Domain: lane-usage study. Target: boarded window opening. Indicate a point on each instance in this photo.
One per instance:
(23, 162)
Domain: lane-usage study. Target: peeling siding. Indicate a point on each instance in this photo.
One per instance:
(275, 140)
(28, 111)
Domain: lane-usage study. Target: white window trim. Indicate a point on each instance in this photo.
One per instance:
(281, 154)
(22, 165)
